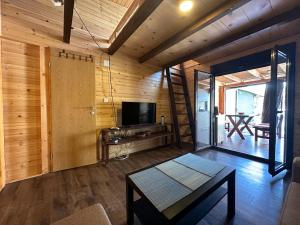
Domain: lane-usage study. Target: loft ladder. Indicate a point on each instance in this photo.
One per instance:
(181, 105)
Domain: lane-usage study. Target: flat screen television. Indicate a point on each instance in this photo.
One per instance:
(134, 113)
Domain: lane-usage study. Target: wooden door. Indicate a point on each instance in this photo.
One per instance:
(73, 121)
(2, 170)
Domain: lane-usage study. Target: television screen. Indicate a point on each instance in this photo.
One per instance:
(134, 113)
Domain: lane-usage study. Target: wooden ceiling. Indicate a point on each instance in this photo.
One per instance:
(40, 21)
(125, 3)
(245, 78)
(100, 16)
(264, 37)
(250, 77)
(164, 22)
(247, 15)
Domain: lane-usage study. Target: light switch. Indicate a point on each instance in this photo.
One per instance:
(106, 63)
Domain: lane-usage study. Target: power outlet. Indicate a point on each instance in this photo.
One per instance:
(105, 99)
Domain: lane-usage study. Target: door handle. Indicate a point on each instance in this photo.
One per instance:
(92, 110)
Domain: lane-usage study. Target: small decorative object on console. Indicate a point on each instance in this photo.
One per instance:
(115, 139)
(143, 133)
(162, 120)
(114, 128)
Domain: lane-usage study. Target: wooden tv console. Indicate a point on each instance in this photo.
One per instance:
(133, 134)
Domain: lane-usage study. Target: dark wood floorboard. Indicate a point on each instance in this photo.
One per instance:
(48, 198)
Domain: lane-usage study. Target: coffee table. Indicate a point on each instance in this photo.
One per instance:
(179, 191)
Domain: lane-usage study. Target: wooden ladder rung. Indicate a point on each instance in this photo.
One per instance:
(186, 135)
(175, 69)
(176, 75)
(184, 124)
(176, 83)
(178, 93)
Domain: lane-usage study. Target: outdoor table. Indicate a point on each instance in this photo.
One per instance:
(241, 119)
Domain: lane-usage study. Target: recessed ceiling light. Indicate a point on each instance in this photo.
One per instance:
(57, 2)
(186, 5)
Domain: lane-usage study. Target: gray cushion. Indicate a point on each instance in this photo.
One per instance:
(93, 215)
(290, 212)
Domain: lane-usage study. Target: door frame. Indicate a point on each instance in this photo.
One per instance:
(290, 113)
(252, 61)
(212, 102)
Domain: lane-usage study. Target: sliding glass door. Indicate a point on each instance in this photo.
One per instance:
(203, 112)
(270, 132)
(279, 106)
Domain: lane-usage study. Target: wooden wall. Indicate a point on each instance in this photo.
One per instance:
(25, 106)
(295, 38)
(131, 81)
(21, 107)
(2, 165)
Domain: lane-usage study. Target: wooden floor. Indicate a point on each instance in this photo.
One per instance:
(45, 199)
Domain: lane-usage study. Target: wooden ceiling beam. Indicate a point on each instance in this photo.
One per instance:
(279, 19)
(68, 18)
(255, 73)
(131, 10)
(135, 21)
(199, 24)
(232, 77)
(203, 83)
(246, 83)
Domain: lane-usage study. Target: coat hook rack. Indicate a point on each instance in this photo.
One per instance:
(73, 56)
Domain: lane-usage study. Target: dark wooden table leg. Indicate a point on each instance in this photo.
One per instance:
(129, 204)
(106, 154)
(256, 134)
(231, 196)
(233, 123)
(247, 125)
(235, 127)
(166, 137)
(103, 152)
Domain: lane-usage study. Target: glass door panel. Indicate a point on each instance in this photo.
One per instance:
(203, 82)
(278, 111)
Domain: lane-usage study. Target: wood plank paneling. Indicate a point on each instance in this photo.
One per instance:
(44, 91)
(40, 22)
(21, 107)
(133, 82)
(152, 32)
(2, 162)
(125, 3)
(26, 120)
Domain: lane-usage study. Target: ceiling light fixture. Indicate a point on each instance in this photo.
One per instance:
(58, 2)
(186, 5)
